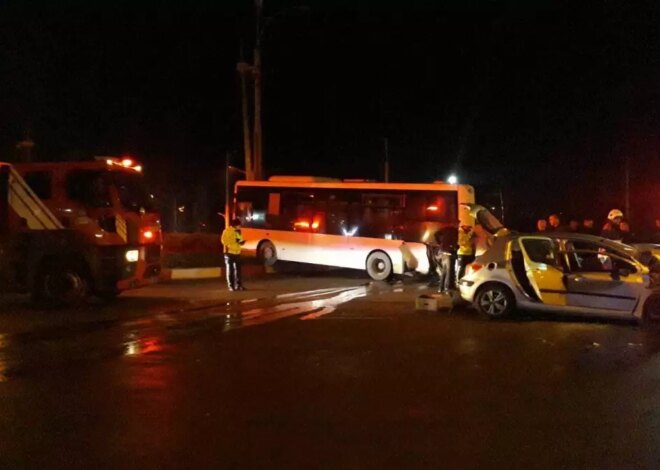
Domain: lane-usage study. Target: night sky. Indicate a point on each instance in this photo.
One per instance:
(544, 99)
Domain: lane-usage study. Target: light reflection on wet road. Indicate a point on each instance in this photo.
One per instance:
(61, 346)
(392, 388)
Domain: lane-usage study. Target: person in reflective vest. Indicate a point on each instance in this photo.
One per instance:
(465, 250)
(232, 241)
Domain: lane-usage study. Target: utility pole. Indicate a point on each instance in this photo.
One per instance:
(25, 147)
(244, 69)
(258, 137)
(386, 148)
(227, 191)
(627, 187)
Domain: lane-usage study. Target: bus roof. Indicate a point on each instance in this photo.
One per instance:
(337, 184)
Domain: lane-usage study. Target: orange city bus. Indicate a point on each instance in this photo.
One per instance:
(377, 227)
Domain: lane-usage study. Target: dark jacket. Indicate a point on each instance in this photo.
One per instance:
(611, 231)
(447, 239)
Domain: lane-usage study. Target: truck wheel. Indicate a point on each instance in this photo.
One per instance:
(60, 286)
(267, 253)
(379, 266)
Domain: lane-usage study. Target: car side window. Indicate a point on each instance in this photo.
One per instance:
(540, 250)
(584, 256)
(590, 262)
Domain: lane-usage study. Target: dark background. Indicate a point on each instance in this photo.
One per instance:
(544, 99)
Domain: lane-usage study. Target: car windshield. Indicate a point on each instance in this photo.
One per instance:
(132, 192)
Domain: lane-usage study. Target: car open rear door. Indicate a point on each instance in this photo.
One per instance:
(541, 267)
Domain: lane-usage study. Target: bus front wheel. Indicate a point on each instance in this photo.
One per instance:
(267, 253)
(379, 266)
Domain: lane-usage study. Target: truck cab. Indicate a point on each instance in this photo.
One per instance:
(75, 228)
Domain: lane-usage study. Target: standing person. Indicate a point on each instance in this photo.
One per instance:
(447, 239)
(465, 250)
(588, 227)
(232, 241)
(655, 238)
(554, 223)
(541, 225)
(626, 235)
(612, 229)
(482, 240)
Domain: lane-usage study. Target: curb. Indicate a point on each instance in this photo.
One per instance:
(206, 273)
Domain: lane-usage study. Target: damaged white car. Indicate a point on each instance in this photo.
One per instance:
(565, 273)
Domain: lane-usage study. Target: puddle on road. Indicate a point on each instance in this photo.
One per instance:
(307, 309)
(62, 347)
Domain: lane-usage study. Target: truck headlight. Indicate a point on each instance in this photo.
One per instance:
(132, 256)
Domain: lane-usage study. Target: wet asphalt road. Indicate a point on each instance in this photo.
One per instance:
(327, 372)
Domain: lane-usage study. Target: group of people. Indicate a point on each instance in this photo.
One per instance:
(617, 227)
(452, 251)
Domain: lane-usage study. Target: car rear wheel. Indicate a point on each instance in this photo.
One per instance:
(379, 266)
(495, 301)
(651, 317)
(267, 253)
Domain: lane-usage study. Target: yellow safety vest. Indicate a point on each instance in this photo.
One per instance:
(232, 240)
(465, 245)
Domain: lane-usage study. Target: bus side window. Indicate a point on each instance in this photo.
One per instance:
(244, 213)
(274, 204)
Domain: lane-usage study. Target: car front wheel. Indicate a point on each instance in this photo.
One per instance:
(495, 301)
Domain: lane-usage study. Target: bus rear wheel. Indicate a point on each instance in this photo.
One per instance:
(267, 253)
(379, 266)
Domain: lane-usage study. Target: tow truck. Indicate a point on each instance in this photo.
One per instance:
(73, 229)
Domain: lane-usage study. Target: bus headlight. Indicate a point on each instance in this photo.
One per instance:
(132, 256)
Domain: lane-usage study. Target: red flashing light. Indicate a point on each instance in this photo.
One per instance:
(432, 208)
(149, 235)
(127, 162)
(315, 225)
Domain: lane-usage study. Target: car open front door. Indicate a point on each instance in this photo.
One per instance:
(603, 281)
(541, 266)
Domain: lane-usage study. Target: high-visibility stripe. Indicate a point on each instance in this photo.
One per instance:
(23, 211)
(120, 226)
(36, 203)
(28, 206)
